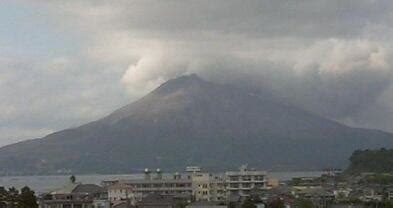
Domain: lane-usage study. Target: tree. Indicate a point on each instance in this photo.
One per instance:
(3, 194)
(12, 200)
(277, 203)
(73, 179)
(3, 197)
(378, 161)
(248, 203)
(302, 203)
(27, 199)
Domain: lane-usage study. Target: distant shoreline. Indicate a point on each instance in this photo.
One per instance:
(140, 171)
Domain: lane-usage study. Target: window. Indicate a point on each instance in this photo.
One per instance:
(181, 185)
(233, 178)
(234, 192)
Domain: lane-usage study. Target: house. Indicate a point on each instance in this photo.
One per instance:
(76, 195)
(320, 197)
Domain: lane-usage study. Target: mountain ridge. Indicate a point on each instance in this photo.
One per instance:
(190, 121)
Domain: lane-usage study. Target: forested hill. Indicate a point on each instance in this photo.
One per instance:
(378, 161)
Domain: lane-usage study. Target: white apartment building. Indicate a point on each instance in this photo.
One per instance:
(151, 183)
(208, 187)
(243, 181)
(201, 186)
(119, 192)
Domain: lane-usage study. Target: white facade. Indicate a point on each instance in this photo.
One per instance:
(208, 187)
(137, 188)
(118, 192)
(243, 181)
(202, 186)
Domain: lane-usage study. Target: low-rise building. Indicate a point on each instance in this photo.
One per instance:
(320, 197)
(76, 195)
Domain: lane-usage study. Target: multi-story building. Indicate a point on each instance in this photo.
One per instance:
(208, 187)
(151, 183)
(243, 181)
(201, 186)
(120, 192)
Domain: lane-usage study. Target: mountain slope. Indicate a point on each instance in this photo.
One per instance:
(188, 121)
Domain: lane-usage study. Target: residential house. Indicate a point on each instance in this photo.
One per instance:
(76, 195)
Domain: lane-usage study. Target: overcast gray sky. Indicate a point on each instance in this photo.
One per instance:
(64, 63)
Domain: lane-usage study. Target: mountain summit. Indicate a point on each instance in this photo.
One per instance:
(189, 121)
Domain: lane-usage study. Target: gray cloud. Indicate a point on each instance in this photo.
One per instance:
(332, 57)
(339, 79)
(320, 18)
(38, 98)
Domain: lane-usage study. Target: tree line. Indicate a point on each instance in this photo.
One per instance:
(14, 198)
(378, 161)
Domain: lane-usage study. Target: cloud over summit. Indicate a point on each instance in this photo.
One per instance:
(328, 56)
